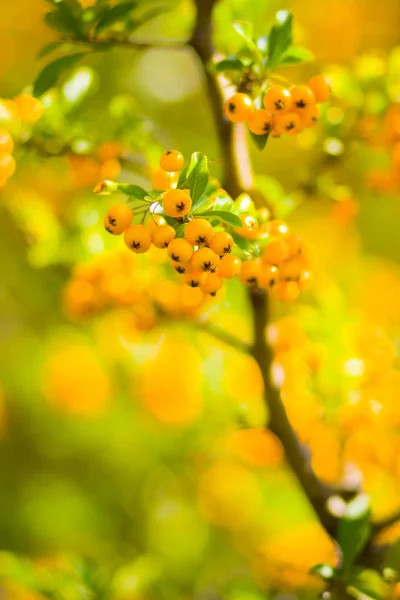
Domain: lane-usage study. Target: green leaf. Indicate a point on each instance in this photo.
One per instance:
(354, 530)
(133, 190)
(197, 177)
(240, 241)
(262, 44)
(223, 202)
(49, 76)
(280, 37)
(114, 14)
(260, 141)
(180, 231)
(64, 20)
(324, 571)
(182, 181)
(49, 48)
(229, 64)
(245, 30)
(295, 55)
(224, 215)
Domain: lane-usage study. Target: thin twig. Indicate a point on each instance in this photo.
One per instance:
(224, 336)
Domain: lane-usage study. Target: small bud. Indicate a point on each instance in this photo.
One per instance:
(105, 187)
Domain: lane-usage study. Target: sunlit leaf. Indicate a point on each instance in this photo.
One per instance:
(229, 64)
(295, 55)
(114, 14)
(228, 217)
(280, 37)
(133, 190)
(49, 76)
(197, 177)
(354, 529)
(245, 30)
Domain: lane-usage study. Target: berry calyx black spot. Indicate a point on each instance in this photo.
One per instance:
(279, 104)
(181, 206)
(136, 245)
(301, 104)
(179, 269)
(227, 249)
(112, 221)
(231, 107)
(175, 257)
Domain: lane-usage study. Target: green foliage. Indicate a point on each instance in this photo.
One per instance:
(53, 71)
(354, 530)
(114, 15)
(197, 177)
(228, 217)
(280, 38)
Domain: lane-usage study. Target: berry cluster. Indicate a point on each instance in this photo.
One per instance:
(204, 251)
(23, 108)
(285, 110)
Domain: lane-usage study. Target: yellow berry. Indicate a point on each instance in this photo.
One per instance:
(287, 123)
(179, 250)
(309, 116)
(239, 108)
(163, 181)
(302, 97)
(320, 87)
(276, 252)
(205, 259)
(278, 99)
(260, 122)
(269, 275)
(162, 236)
(222, 243)
(229, 266)
(176, 203)
(137, 238)
(7, 165)
(287, 291)
(194, 278)
(181, 267)
(211, 284)
(249, 229)
(199, 232)
(30, 109)
(250, 272)
(118, 218)
(6, 141)
(171, 161)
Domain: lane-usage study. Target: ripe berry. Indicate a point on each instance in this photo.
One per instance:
(162, 236)
(302, 96)
(6, 142)
(199, 232)
(260, 122)
(222, 243)
(276, 252)
(171, 161)
(177, 203)
(180, 250)
(250, 229)
(204, 259)
(294, 243)
(118, 218)
(287, 123)
(137, 238)
(287, 291)
(163, 181)
(181, 267)
(278, 227)
(320, 87)
(239, 108)
(212, 284)
(291, 270)
(194, 278)
(278, 99)
(309, 116)
(250, 272)
(229, 266)
(268, 277)
(7, 165)
(30, 109)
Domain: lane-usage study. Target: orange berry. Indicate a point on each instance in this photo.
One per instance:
(181, 267)
(137, 238)
(111, 149)
(222, 243)
(171, 161)
(162, 236)
(110, 169)
(199, 232)
(179, 250)
(269, 276)
(229, 266)
(250, 229)
(7, 165)
(309, 116)
(118, 218)
(291, 270)
(163, 181)
(320, 87)
(278, 99)
(287, 123)
(250, 272)
(278, 227)
(155, 222)
(276, 252)
(194, 278)
(177, 203)
(260, 122)
(302, 96)
(294, 243)
(30, 109)
(212, 284)
(6, 142)
(205, 259)
(239, 108)
(287, 291)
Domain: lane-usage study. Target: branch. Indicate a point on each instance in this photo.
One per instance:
(224, 336)
(128, 44)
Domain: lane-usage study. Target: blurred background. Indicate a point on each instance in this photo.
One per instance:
(133, 462)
